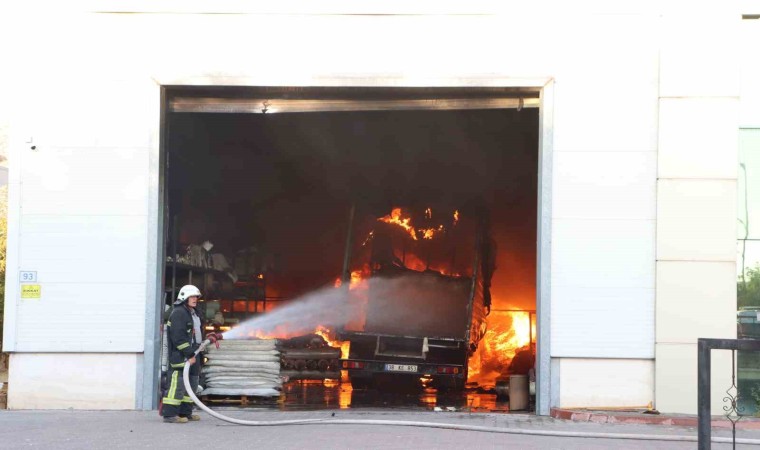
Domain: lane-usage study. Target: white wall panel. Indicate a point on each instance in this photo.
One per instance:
(85, 181)
(597, 117)
(93, 112)
(83, 317)
(698, 138)
(690, 295)
(700, 55)
(603, 283)
(608, 103)
(70, 380)
(603, 253)
(84, 231)
(602, 322)
(696, 220)
(605, 185)
(749, 95)
(600, 383)
(85, 249)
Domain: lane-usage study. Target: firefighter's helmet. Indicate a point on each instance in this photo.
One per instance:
(187, 292)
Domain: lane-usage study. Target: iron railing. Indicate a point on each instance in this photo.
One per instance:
(733, 411)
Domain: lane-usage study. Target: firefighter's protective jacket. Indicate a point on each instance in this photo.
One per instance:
(182, 343)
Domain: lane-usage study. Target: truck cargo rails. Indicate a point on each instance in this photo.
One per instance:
(422, 302)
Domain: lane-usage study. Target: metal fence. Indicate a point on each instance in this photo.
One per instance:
(732, 410)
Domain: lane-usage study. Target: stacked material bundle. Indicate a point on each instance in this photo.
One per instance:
(245, 367)
(309, 357)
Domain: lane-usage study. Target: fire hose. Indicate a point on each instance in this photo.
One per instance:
(445, 426)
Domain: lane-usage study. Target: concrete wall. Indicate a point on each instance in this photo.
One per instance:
(604, 383)
(638, 199)
(72, 380)
(696, 203)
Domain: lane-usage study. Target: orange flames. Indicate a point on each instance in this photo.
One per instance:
(326, 334)
(429, 233)
(508, 333)
(395, 218)
(283, 333)
(356, 277)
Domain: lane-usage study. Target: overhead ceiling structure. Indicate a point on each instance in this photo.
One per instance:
(299, 100)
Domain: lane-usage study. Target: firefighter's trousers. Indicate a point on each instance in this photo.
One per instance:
(177, 402)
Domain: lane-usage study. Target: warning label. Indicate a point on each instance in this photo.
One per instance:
(31, 291)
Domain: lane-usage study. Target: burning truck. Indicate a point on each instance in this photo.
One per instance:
(418, 288)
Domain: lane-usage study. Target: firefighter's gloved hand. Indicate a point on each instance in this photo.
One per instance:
(215, 338)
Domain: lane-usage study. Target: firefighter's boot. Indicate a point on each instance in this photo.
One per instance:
(175, 419)
(192, 418)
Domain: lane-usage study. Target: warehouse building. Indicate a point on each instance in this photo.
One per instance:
(605, 146)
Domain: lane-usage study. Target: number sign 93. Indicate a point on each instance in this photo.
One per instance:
(26, 277)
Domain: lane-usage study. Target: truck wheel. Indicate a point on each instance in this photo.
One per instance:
(449, 384)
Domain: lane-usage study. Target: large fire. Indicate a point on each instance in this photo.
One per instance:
(509, 332)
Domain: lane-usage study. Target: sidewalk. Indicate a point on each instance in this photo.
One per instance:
(630, 417)
(144, 429)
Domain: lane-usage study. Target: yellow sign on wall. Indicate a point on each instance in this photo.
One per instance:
(31, 291)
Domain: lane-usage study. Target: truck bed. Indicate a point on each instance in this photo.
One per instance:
(419, 304)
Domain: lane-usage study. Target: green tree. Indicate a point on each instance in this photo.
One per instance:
(747, 289)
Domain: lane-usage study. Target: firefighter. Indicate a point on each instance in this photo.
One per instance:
(184, 338)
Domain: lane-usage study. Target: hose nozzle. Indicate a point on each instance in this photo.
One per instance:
(210, 338)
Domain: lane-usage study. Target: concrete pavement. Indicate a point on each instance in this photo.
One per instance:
(143, 429)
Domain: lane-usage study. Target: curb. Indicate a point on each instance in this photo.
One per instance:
(575, 415)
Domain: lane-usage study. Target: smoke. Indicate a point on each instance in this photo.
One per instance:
(420, 304)
(325, 306)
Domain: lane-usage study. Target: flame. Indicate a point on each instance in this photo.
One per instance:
(430, 233)
(344, 396)
(456, 217)
(473, 366)
(428, 213)
(356, 277)
(338, 282)
(357, 299)
(326, 334)
(283, 332)
(395, 218)
(508, 333)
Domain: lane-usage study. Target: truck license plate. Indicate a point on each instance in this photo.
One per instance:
(400, 368)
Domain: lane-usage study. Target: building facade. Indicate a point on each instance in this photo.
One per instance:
(640, 111)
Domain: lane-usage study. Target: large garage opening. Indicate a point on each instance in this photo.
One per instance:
(358, 247)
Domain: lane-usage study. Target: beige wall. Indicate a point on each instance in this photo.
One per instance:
(72, 380)
(696, 204)
(605, 383)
